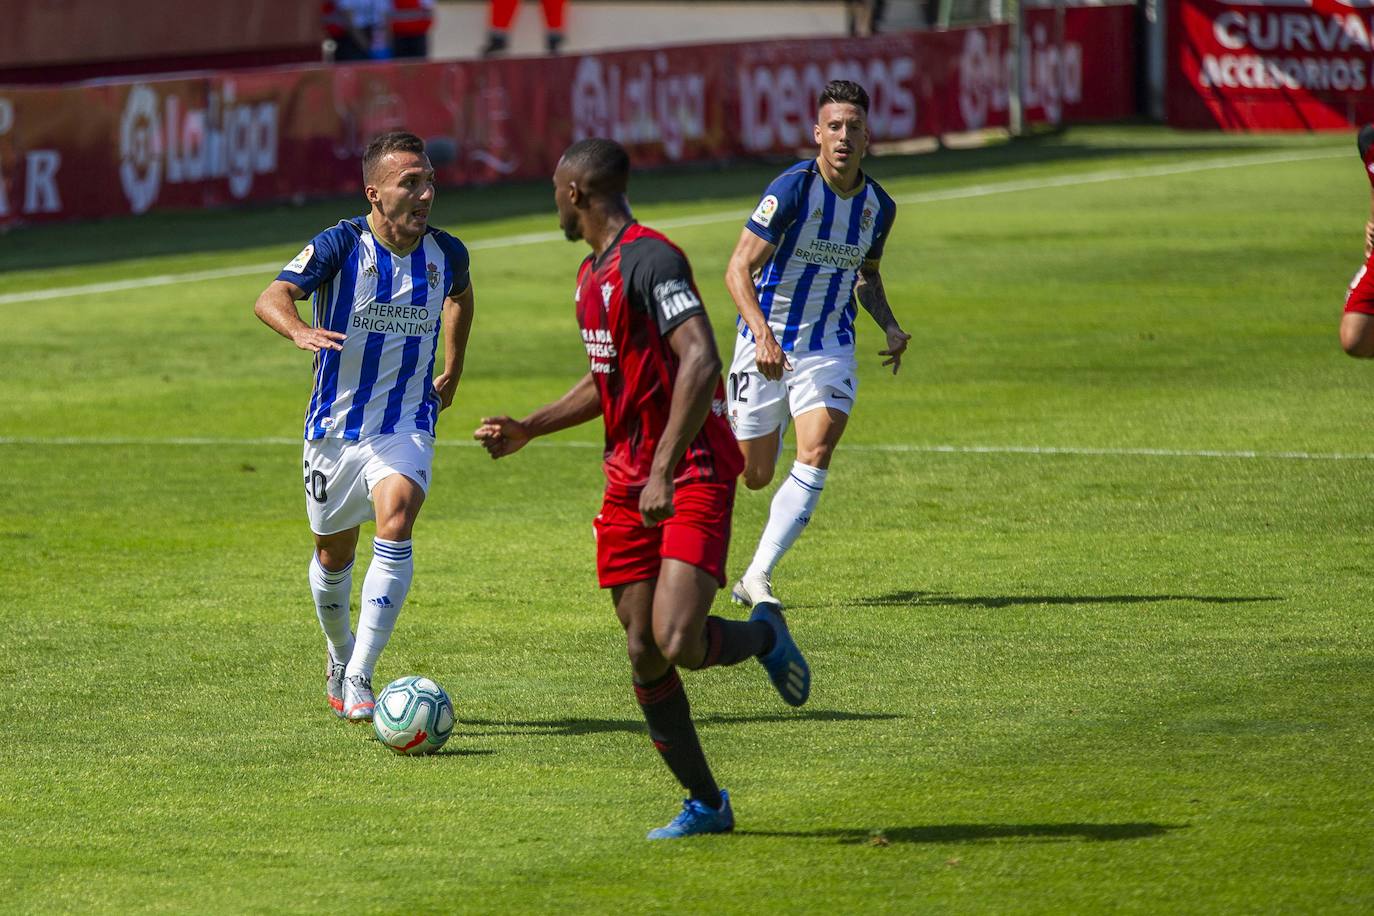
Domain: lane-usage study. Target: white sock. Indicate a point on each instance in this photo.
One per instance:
(384, 591)
(331, 591)
(790, 512)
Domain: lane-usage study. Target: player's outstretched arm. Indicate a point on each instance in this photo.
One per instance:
(751, 253)
(457, 325)
(869, 290)
(277, 309)
(502, 436)
(698, 371)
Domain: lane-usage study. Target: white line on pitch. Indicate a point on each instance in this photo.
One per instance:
(116, 441)
(706, 219)
(856, 447)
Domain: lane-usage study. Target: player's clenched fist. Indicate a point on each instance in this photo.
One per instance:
(501, 436)
(769, 358)
(656, 501)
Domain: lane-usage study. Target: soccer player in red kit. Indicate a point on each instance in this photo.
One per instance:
(1357, 324)
(670, 463)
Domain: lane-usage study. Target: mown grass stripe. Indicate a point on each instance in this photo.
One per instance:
(707, 219)
(1084, 451)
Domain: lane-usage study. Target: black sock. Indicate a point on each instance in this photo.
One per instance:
(665, 707)
(729, 642)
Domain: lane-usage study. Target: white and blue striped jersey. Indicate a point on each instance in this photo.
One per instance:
(806, 289)
(390, 307)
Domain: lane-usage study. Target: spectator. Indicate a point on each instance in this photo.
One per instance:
(338, 29)
(865, 16)
(500, 15)
(411, 21)
(358, 28)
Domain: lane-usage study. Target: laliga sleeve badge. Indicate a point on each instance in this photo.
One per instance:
(299, 261)
(764, 214)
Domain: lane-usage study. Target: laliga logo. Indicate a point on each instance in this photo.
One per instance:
(1052, 76)
(140, 149)
(981, 86)
(591, 110)
(221, 140)
(973, 65)
(639, 103)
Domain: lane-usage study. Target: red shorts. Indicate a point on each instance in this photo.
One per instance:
(698, 533)
(1360, 298)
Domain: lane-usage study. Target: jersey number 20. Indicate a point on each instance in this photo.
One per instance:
(315, 485)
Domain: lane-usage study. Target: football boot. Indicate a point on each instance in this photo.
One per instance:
(697, 818)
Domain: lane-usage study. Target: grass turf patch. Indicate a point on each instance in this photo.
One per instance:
(1043, 682)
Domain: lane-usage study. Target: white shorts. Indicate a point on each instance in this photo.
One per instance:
(759, 406)
(340, 475)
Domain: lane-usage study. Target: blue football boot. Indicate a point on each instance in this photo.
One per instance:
(786, 666)
(696, 818)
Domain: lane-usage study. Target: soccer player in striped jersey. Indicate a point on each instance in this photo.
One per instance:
(670, 462)
(810, 248)
(388, 289)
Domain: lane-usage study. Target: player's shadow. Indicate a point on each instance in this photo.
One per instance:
(573, 727)
(943, 599)
(448, 751)
(977, 833)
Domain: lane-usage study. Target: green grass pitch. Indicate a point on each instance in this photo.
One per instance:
(1135, 674)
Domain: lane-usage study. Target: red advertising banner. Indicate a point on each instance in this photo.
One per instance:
(93, 150)
(1272, 65)
(1078, 65)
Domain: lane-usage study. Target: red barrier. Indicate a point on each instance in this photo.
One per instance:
(61, 41)
(97, 150)
(1079, 65)
(1283, 65)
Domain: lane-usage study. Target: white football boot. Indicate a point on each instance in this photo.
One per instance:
(333, 685)
(358, 699)
(750, 590)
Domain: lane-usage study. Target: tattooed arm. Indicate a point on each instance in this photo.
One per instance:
(871, 295)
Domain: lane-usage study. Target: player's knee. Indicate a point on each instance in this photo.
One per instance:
(681, 647)
(395, 529)
(1358, 346)
(335, 559)
(641, 648)
(817, 456)
(1357, 334)
(756, 478)
(397, 524)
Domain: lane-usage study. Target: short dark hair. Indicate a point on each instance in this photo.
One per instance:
(397, 141)
(603, 165)
(843, 91)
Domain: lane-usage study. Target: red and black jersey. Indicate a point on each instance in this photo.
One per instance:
(1365, 141)
(628, 301)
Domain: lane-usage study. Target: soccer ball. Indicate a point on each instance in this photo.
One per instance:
(413, 715)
